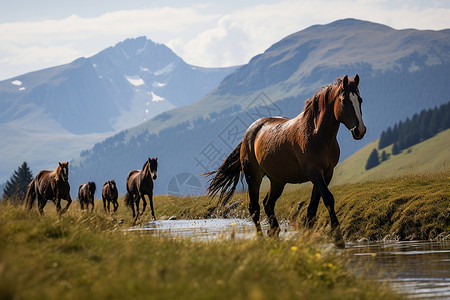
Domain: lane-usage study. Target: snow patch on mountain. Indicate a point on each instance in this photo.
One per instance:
(156, 98)
(135, 80)
(16, 82)
(166, 69)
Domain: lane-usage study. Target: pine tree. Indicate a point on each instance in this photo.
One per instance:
(16, 187)
(373, 160)
(384, 156)
(395, 149)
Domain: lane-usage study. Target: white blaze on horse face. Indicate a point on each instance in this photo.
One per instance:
(357, 107)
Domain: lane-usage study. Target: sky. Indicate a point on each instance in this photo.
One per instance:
(39, 34)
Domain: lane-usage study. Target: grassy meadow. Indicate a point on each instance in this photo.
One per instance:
(89, 255)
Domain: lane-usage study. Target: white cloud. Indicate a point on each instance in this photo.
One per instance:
(198, 33)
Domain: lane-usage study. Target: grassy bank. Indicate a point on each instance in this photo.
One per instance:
(89, 256)
(407, 207)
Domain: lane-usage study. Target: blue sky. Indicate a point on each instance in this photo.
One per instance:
(39, 34)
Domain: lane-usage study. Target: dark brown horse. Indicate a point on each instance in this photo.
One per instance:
(295, 150)
(50, 185)
(139, 184)
(110, 195)
(86, 193)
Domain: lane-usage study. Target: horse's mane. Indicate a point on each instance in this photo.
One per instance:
(57, 172)
(317, 103)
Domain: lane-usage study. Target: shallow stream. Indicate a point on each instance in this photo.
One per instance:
(419, 269)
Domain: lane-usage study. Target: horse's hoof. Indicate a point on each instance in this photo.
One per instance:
(340, 244)
(273, 232)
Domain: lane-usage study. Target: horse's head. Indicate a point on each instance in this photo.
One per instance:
(63, 170)
(153, 163)
(348, 109)
(92, 188)
(112, 184)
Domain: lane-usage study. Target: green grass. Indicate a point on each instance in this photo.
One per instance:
(430, 156)
(89, 256)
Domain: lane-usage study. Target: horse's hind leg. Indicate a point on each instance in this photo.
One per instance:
(144, 203)
(254, 178)
(312, 208)
(275, 191)
(41, 204)
(104, 204)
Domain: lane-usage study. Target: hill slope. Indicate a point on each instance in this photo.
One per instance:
(402, 72)
(430, 156)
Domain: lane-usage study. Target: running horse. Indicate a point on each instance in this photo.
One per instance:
(110, 195)
(50, 185)
(86, 193)
(139, 184)
(295, 150)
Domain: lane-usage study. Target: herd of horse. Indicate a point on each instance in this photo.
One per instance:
(54, 186)
(296, 150)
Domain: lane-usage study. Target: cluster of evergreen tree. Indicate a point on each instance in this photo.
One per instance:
(420, 127)
(16, 187)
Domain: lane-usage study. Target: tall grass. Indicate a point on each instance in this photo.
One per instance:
(90, 256)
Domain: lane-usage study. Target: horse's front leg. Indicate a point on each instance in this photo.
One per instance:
(328, 199)
(150, 198)
(57, 201)
(115, 205)
(69, 201)
(92, 203)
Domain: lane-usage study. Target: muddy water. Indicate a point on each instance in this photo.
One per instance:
(419, 269)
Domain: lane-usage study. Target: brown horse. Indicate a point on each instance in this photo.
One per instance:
(50, 185)
(295, 150)
(139, 184)
(86, 193)
(110, 195)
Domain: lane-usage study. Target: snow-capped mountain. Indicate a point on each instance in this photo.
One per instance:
(55, 113)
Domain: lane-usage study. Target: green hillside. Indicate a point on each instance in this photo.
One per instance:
(430, 156)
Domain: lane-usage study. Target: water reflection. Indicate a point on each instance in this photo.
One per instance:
(207, 229)
(419, 269)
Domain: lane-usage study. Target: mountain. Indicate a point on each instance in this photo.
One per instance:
(54, 114)
(401, 71)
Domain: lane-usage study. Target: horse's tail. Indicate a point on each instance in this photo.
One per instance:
(128, 200)
(31, 195)
(226, 177)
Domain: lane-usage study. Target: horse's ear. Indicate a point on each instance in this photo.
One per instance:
(60, 164)
(356, 79)
(345, 82)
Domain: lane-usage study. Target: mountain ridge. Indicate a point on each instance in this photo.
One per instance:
(401, 71)
(57, 112)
